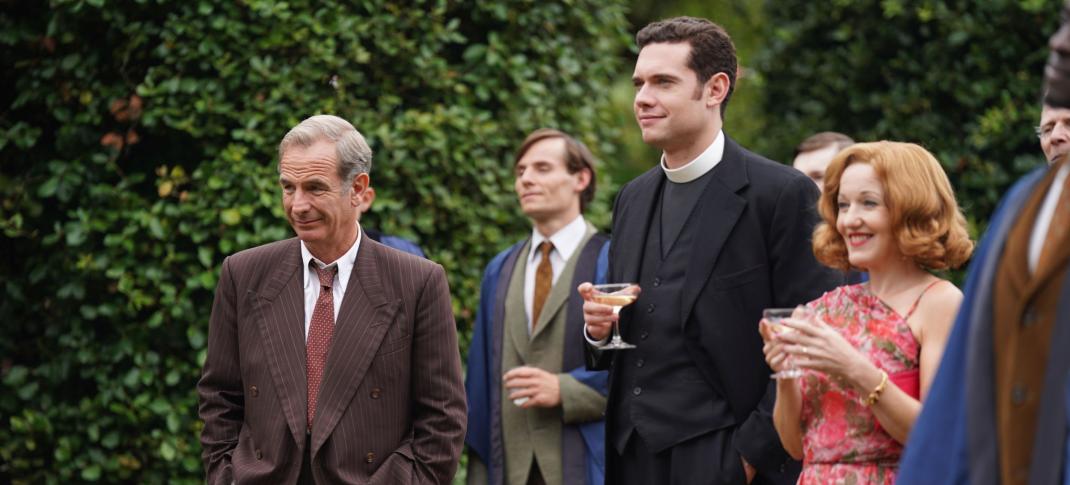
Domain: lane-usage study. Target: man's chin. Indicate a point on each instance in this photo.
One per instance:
(307, 234)
(653, 139)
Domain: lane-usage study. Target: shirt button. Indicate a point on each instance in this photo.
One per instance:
(376, 393)
(1029, 318)
(644, 335)
(254, 391)
(259, 455)
(657, 282)
(640, 362)
(637, 391)
(650, 308)
(1019, 394)
(370, 457)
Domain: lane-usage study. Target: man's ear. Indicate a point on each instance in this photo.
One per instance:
(584, 179)
(367, 199)
(716, 89)
(361, 184)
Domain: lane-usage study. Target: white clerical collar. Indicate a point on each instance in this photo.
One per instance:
(345, 263)
(565, 240)
(699, 166)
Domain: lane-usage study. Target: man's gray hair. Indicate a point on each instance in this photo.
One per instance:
(354, 154)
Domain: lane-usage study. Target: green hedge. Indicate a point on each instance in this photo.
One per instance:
(961, 78)
(137, 142)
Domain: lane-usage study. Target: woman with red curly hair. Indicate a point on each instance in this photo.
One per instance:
(870, 351)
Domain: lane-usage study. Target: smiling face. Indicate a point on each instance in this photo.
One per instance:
(864, 220)
(548, 193)
(320, 209)
(675, 112)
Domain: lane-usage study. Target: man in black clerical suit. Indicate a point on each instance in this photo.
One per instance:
(712, 235)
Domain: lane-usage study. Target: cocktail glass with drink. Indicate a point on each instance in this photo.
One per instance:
(773, 317)
(616, 295)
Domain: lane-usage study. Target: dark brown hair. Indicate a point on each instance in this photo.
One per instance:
(577, 157)
(712, 50)
(824, 139)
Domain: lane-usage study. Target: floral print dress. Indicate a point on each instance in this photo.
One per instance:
(842, 440)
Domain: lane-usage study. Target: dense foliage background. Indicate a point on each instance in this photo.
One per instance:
(138, 145)
(137, 149)
(960, 77)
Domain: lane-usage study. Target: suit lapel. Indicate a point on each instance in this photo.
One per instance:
(363, 319)
(983, 455)
(516, 320)
(718, 210)
(632, 223)
(281, 305)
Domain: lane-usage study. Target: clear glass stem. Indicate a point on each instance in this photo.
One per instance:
(616, 326)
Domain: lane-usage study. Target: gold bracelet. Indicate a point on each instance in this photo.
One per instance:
(876, 394)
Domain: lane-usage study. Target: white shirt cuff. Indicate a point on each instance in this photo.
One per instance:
(594, 343)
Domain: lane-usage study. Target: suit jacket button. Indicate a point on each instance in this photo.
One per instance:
(376, 392)
(650, 308)
(259, 455)
(254, 391)
(637, 391)
(1019, 393)
(370, 457)
(1030, 317)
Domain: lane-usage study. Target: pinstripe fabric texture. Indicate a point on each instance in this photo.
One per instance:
(391, 406)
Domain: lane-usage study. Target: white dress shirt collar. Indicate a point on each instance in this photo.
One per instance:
(699, 166)
(345, 264)
(565, 240)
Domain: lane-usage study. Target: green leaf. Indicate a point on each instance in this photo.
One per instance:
(167, 451)
(91, 473)
(230, 217)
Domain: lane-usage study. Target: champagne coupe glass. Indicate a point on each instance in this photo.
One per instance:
(617, 295)
(773, 316)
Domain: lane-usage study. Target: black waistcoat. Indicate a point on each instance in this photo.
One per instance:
(658, 390)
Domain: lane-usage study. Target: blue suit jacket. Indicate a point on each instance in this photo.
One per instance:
(954, 440)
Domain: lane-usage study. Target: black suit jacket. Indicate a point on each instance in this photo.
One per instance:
(753, 251)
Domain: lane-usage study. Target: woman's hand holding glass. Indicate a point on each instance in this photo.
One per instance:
(777, 353)
(812, 344)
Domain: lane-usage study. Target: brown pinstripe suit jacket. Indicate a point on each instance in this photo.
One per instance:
(391, 407)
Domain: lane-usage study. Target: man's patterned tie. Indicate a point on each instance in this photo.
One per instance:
(320, 333)
(544, 280)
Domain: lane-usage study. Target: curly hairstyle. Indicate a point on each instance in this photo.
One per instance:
(927, 223)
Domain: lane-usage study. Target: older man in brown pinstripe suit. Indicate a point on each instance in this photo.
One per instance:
(331, 358)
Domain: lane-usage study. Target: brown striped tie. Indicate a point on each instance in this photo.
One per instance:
(544, 280)
(1060, 222)
(320, 333)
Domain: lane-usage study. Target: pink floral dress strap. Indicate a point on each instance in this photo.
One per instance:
(918, 299)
